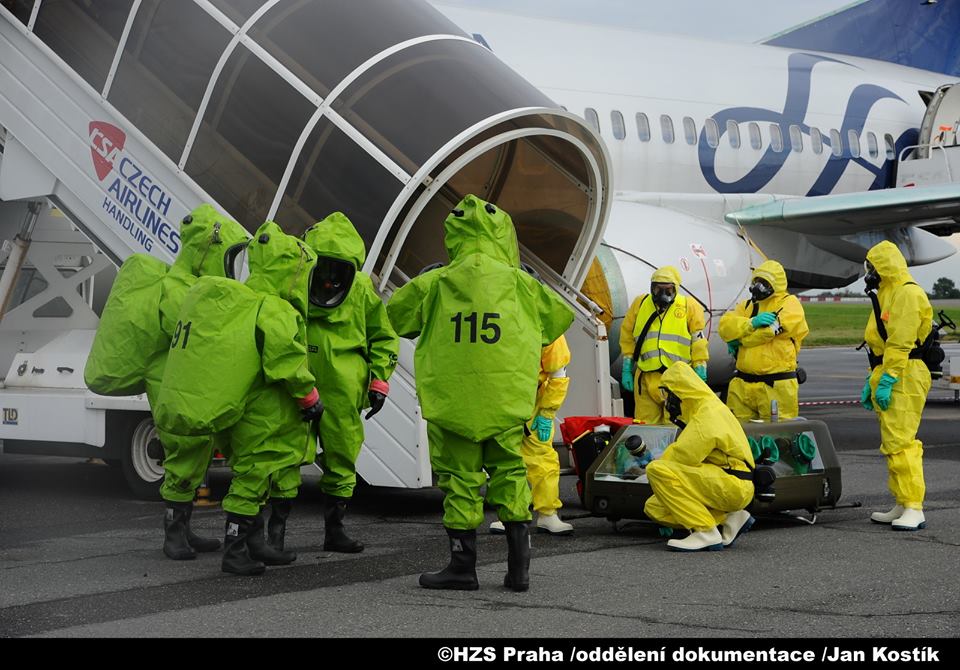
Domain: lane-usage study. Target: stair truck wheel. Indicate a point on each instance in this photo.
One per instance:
(136, 443)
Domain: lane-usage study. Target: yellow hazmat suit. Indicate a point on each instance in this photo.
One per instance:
(674, 335)
(690, 488)
(543, 464)
(768, 350)
(907, 316)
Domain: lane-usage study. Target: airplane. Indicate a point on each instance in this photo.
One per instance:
(125, 116)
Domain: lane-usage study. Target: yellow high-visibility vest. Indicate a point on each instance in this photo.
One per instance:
(668, 338)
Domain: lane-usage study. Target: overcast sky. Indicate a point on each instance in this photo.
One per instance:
(729, 20)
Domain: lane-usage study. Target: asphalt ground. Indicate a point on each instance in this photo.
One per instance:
(79, 557)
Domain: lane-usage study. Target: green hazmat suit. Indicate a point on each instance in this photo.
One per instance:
(690, 488)
(349, 346)
(241, 364)
(482, 323)
(907, 316)
(130, 350)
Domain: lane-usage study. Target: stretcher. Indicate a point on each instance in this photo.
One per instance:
(800, 452)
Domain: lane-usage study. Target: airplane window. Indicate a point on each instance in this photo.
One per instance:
(854, 140)
(84, 34)
(816, 140)
(164, 71)
(776, 138)
(733, 134)
(890, 146)
(666, 128)
(872, 147)
(796, 138)
(689, 130)
(619, 129)
(643, 127)
(756, 142)
(836, 144)
(243, 145)
(590, 114)
(712, 133)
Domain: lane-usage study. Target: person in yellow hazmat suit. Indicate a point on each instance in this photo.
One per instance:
(703, 478)
(541, 459)
(660, 328)
(897, 385)
(765, 334)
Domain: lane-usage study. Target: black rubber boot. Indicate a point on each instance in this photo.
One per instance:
(461, 573)
(334, 539)
(197, 543)
(260, 550)
(518, 556)
(175, 520)
(236, 555)
(277, 525)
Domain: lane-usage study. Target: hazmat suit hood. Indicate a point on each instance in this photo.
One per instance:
(475, 226)
(692, 391)
(890, 264)
(336, 237)
(205, 237)
(772, 273)
(667, 274)
(281, 265)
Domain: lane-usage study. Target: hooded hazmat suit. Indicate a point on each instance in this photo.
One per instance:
(674, 335)
(764, 351)
(350, 346)
(690, 488)
(138, 322)
(240, 362)
(907, 316)
(482, 323)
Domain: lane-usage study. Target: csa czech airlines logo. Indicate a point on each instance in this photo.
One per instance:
(106, 143)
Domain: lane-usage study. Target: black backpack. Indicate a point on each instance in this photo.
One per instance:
(929, 351)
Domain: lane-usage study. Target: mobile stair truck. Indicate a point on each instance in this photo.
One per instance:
(118, 118)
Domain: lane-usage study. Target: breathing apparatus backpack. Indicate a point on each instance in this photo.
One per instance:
(929, 351)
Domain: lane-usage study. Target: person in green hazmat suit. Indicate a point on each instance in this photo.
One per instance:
(899, 381)
(138, 321)
(482, 323)
(238, 361)
(352, 349)
(703, 478)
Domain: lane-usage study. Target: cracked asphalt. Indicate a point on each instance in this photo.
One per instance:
(79, 557)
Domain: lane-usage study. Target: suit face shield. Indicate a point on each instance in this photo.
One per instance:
(331, 281)
(760, 289)
(235, 262)
(663, 294)
(870, 276)
(530, 270)
(430, 268)
(673, 405)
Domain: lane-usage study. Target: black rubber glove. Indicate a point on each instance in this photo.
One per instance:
(376, 402)
(313, 412)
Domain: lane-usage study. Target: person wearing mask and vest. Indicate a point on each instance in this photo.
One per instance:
(897, 385)
(765, 333)
(541, 459)
(660, 328)
(703, 478)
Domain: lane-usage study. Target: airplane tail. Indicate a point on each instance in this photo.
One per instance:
(916, 33)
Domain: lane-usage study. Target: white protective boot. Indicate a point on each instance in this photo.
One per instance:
(912, 519)
(551, 523)
(699, 540)
(735, 525)
(497, 528)
(888, 517)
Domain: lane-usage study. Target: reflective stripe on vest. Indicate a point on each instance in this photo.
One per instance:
(668, 340)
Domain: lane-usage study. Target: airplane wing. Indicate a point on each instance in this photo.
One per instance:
(934, 208)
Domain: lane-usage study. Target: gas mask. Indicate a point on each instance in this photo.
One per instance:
(870, 277)
(663, 295)
(760, 290)
(331, 281)
(673, 405)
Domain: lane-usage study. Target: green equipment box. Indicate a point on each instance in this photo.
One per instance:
(808, 471)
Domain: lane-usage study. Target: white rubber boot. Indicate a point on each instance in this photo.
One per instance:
(912, 519)
(700, 540)
(735, 525)
(551, 523)
(888, 517)
(497, 528)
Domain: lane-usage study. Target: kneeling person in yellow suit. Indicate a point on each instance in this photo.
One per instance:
(703, 479)
(543, 464)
